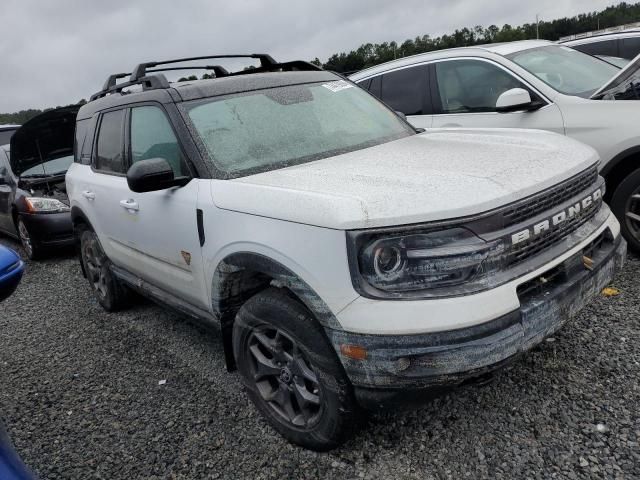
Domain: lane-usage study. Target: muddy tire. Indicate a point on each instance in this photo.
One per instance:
(291, 373)
(109, 292)
(625, 204)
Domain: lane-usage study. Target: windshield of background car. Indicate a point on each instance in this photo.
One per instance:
(566, 70)
(265, 130)
(58, 166)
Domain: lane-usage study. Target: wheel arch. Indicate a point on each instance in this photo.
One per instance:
(241, 275)
(617, 169)
(78, 218)
(80, 223)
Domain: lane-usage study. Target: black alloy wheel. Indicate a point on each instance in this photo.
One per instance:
(283, 376)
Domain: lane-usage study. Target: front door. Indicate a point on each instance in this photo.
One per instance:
(465, 92)
(163, 228)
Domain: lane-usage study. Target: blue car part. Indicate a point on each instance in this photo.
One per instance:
(11, 270)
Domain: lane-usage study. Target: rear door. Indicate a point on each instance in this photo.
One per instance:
(465, 92)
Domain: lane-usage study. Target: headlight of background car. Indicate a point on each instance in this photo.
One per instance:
(429, 264)
(45, 205)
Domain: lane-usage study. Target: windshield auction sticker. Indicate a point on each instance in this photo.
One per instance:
(337, 85)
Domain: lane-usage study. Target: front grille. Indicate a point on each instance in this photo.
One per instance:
(526, 250)
(543, 283)
(548, 199)
(563, 272)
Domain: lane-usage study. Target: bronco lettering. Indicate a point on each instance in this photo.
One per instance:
(582, 206)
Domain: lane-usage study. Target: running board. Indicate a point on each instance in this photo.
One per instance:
(165, 298)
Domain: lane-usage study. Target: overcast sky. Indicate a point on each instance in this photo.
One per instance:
(57, 52)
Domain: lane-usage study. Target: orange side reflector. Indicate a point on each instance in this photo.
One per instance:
(353, 351)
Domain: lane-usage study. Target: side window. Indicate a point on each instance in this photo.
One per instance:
(467, 86)
(81, 135)
(374, 88)
(606, 47)
(4, 166)
(109, 146)
(630, 47)
(153, 137)
(365, 84)
(404, 90)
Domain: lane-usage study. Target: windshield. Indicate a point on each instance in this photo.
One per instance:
(265, 130)
(57, 166)
(566, 70)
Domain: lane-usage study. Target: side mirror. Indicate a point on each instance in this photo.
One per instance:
(151, 175)
(515, 100)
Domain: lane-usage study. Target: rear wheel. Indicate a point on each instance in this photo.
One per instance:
(30, 246)
(291, 373)
(109, 292)
(625, 204)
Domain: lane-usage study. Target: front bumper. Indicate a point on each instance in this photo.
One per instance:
(399, 366)
(50, 229)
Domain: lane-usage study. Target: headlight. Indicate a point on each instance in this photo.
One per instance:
(45, 205)
(429, 264)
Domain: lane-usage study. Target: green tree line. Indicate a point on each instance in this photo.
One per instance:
(370, 54)
(18, 118)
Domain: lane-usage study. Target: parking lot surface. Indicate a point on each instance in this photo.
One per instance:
(144, 394)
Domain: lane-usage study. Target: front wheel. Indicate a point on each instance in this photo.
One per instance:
(625, 204)
(29, 244)
(109, 292)
(291, 373)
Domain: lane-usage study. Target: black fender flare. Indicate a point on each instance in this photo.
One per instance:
(242, 274)
(613, 163)
(78, 216)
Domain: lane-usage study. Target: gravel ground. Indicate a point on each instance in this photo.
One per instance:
(80, 395)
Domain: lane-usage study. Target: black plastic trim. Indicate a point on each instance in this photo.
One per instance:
(200, 221)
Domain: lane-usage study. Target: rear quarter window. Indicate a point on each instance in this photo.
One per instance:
(109, 157)
(82, 127)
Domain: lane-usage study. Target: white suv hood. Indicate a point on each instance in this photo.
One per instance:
(442, 174)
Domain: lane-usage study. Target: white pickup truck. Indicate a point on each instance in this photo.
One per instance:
(350, 261)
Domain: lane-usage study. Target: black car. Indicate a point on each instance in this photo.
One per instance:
(34, 206)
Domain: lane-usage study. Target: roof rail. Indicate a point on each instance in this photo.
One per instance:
(140, 76)
(140, 71)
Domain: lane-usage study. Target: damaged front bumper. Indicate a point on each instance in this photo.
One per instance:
(401, 368)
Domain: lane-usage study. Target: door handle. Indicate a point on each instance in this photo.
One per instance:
(89, 195)
(130, 205)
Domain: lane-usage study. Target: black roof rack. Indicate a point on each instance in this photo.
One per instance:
(140, 76)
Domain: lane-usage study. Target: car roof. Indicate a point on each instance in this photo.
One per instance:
(632, 32)
(476, 50)
(196, 89)
(9, 127)
(191, 90)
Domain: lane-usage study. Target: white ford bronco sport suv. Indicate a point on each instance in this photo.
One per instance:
(350, 261)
